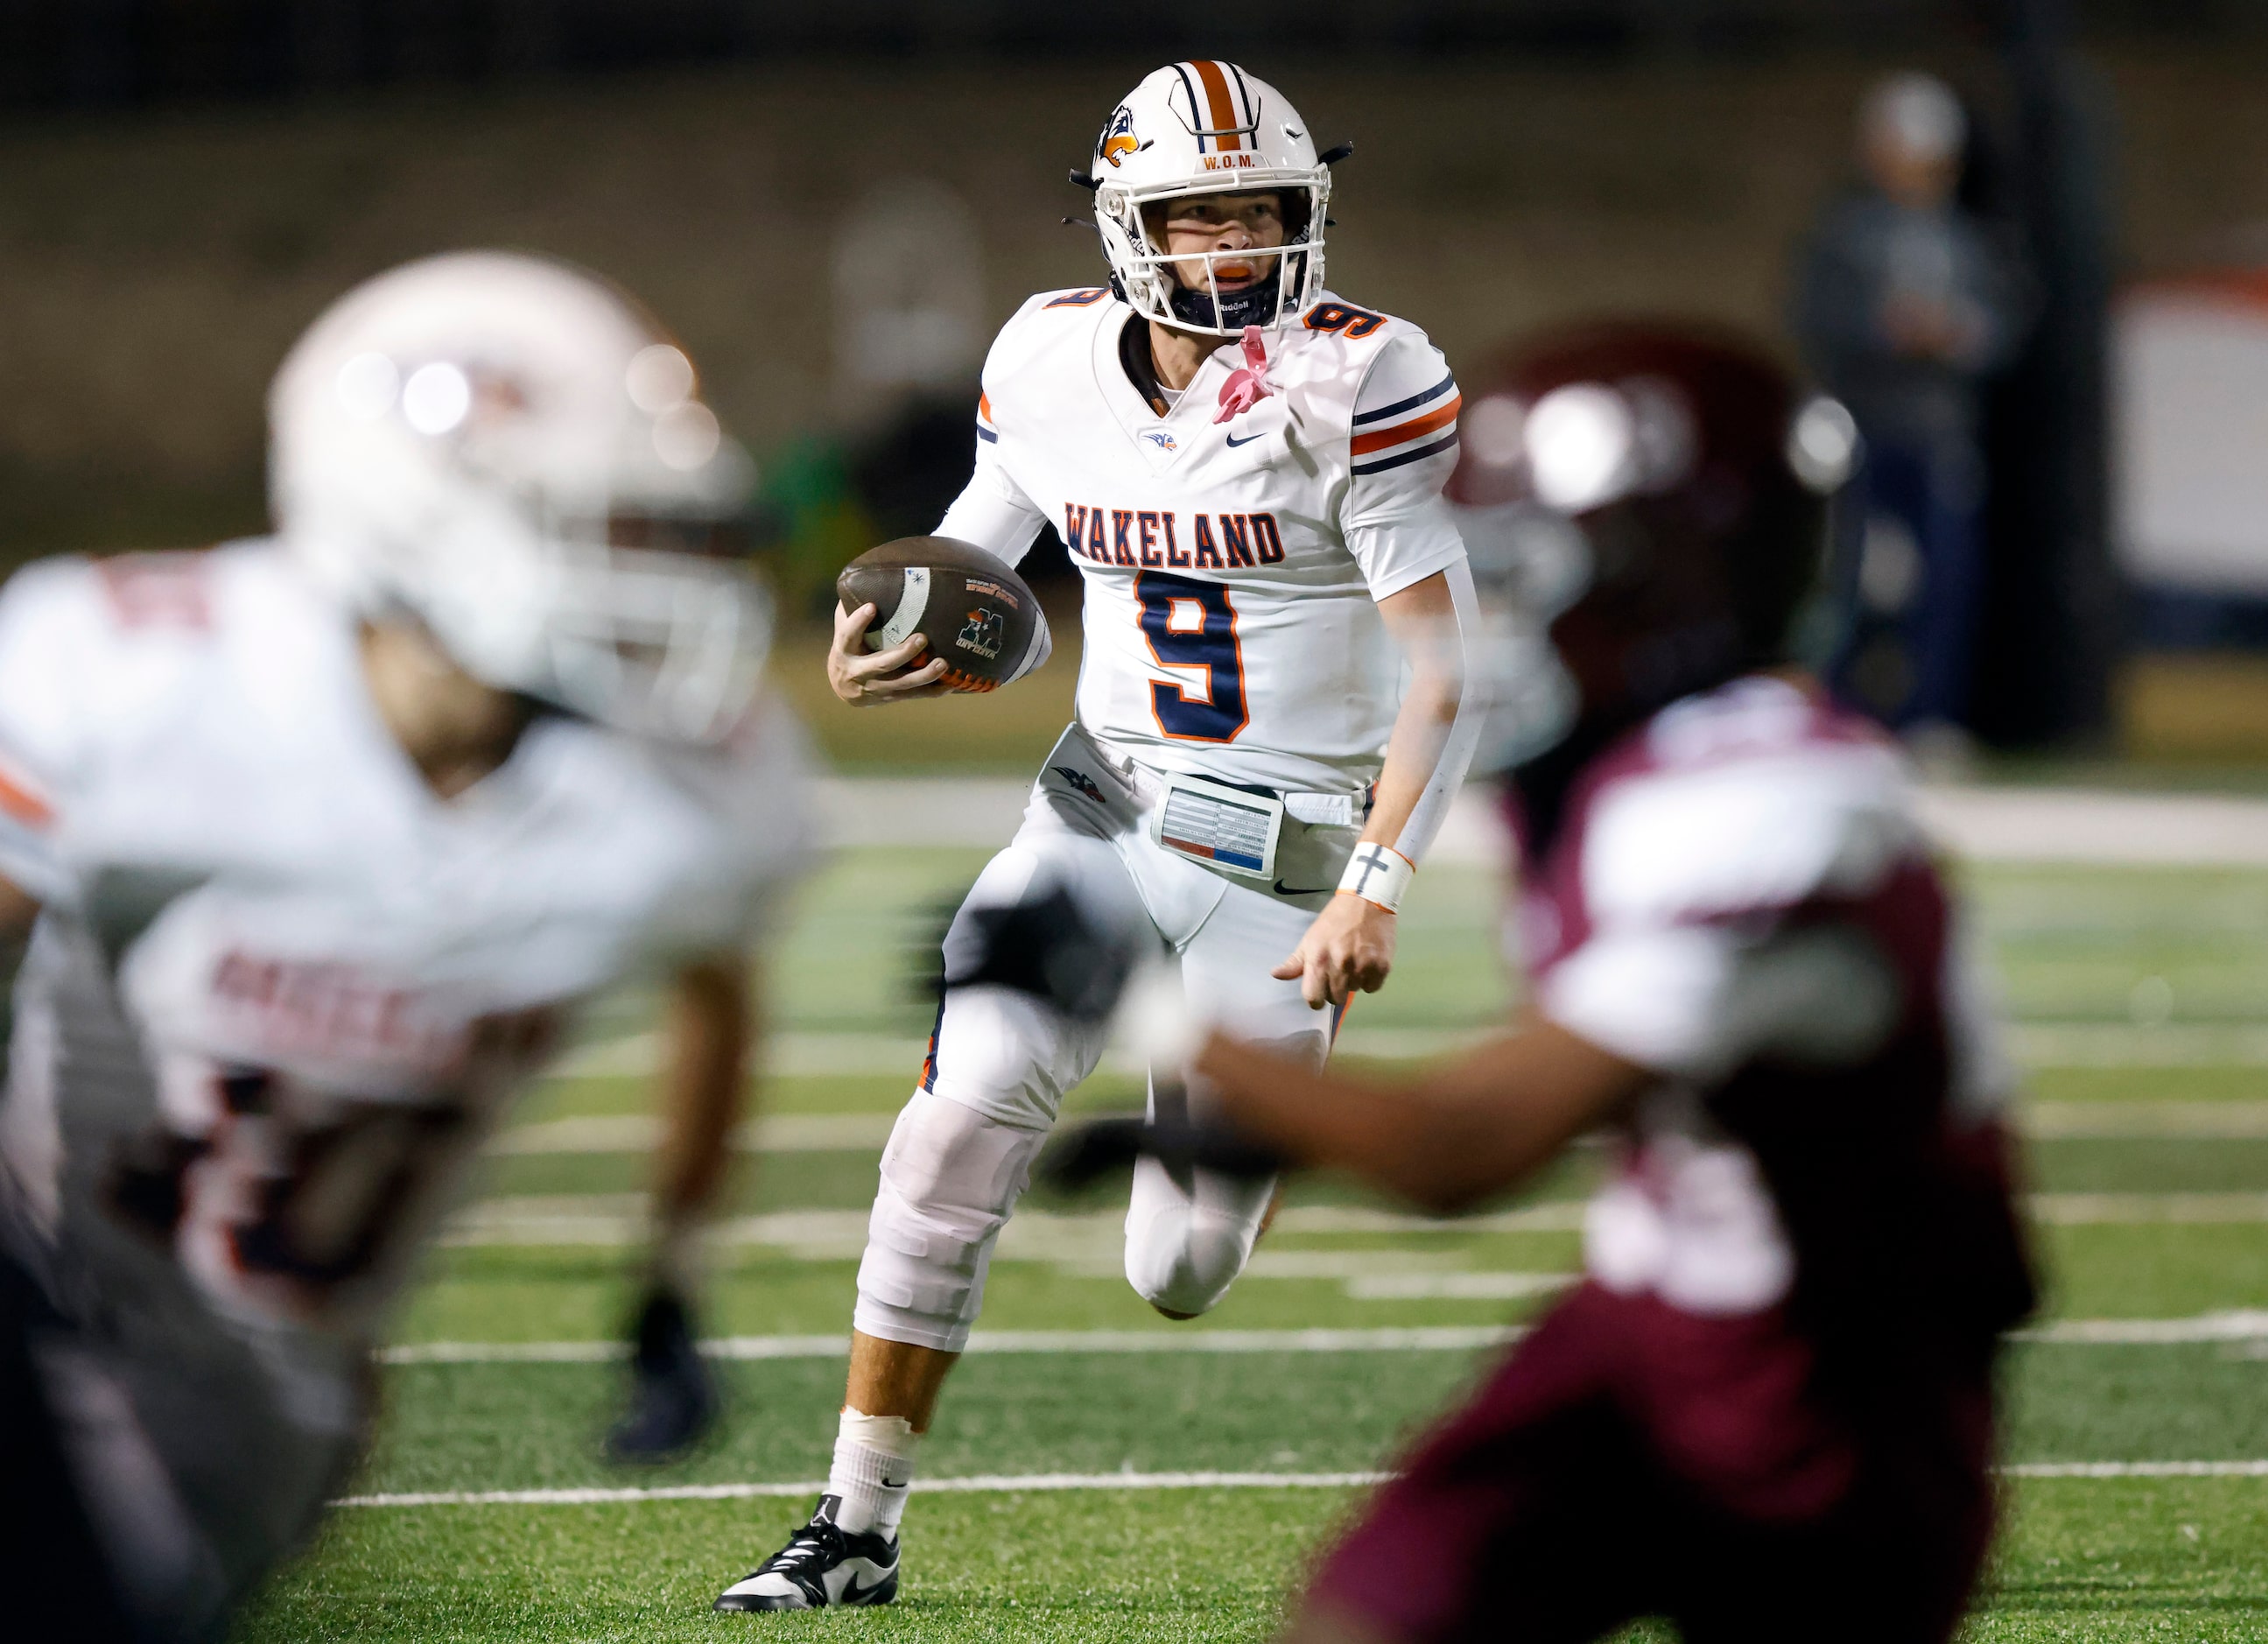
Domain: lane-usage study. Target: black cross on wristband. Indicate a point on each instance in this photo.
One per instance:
(1377, 874)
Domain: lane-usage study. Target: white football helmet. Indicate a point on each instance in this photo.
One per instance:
(507, 449)
(1200, 128)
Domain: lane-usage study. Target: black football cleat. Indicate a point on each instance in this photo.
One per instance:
(674, 1401)
(822, 1565)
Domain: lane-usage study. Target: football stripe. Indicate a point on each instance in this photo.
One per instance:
(1400, 433)
(913, 601)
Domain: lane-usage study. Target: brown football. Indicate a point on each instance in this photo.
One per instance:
(976, 612)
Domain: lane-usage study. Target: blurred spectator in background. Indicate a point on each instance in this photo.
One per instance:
(1906, 303)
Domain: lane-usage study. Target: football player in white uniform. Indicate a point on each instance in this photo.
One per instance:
(318, 843)
(1271, 720)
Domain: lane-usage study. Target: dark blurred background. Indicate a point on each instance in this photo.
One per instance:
(834, 204)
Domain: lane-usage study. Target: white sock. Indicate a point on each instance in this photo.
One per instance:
(678, 1255)
(873, 1471)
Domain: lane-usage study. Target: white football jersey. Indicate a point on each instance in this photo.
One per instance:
(282, 990)
(1231, 568)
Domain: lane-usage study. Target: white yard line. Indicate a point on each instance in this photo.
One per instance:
(1022, 1483)
(986, 811)
(620, 1219)
(982, 1483)
(1417, 1338)
(788, 1055)
(2235, 1120)
(2089, 1210)
(2136, 1470)
(1456, 1286)
(2098, 826)
(845, 1055)
(2121, 1044)
(2094, 826)
(2034, 1045)
(1090, 1241)
(2235, 1325)
(637, 1132)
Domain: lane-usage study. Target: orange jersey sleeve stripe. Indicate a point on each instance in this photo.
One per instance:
(985, 407)
(1379, 439)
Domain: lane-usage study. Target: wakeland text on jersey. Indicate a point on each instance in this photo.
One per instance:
(1152, 537)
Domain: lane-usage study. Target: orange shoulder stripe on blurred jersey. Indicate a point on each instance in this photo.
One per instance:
(21, 803)
(985, 406)
(1379, 438)
(1224, 121)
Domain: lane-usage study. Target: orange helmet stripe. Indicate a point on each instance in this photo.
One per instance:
(1222, 114)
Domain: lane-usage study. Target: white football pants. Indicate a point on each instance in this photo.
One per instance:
(1000, 1064)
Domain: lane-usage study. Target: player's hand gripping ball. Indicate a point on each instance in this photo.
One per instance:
(981, 620)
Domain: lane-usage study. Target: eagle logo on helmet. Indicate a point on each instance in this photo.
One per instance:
(1118, 136)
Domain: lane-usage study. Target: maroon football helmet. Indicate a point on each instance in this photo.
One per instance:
(1653, 498)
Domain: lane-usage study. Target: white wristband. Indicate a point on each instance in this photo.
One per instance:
(1377, 874)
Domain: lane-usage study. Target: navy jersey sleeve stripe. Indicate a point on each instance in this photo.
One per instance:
(1410, 404)
(1401, 457)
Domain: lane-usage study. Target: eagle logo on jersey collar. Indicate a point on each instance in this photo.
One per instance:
(1118, 136)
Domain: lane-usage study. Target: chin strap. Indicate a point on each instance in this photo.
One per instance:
(1248, 385)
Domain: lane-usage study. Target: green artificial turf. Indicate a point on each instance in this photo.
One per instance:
(2133, 1559)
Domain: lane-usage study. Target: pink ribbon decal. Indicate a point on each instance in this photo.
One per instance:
(1248, 385)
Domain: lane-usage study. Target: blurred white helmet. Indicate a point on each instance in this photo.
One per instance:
(507, 449)
(1203, 128)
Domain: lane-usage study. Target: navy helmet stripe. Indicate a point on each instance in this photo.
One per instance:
(1196, 117)
(1244, 95)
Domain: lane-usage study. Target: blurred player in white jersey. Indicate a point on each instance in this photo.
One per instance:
(1247, 469)
(311, 848)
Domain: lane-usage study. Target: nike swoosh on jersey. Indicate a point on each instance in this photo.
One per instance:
(1283, 889)
(1247, 440)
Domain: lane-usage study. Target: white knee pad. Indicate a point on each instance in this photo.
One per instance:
(1186, 1241)
(1189, 1236)
(950, 1177)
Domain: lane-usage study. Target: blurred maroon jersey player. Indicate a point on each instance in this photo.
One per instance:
(1767, 1411)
